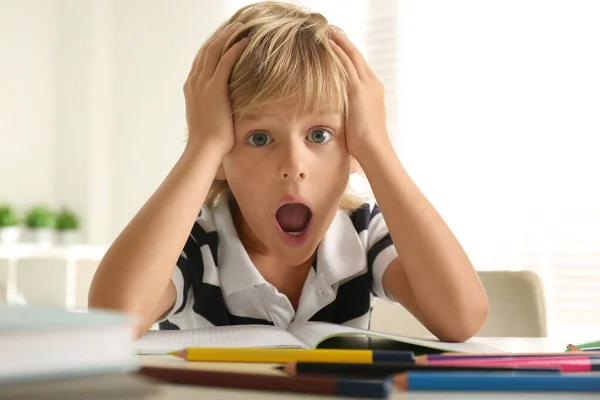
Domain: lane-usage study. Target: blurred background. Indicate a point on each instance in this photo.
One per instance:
(494, 109)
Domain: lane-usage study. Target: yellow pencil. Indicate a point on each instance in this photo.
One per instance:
(281, 356)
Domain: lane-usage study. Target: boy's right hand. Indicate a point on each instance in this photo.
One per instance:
(208, 108)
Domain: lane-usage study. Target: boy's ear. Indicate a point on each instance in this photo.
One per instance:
(220, 175)
(355, 166)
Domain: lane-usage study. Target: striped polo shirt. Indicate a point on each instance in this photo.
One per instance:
(217, 283)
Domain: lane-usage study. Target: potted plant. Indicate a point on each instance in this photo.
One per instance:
(40, 221)
(10, 231)
(67, 227)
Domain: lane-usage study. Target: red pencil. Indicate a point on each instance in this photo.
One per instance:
(375, 389)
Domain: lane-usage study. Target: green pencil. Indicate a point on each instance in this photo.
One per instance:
(587, 346)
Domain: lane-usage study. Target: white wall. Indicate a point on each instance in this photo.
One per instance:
(91, 101)
(83, 112)
(498, 114)
(154, 48)
(27, 106)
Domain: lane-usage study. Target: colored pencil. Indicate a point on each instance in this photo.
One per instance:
(464, 356)
(375, 389)
(382, 370)
(566, 364)
(282, 356)
(590, 349)
(497, 382)
(588, 346)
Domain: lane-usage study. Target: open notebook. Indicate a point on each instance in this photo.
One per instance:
(307, 335)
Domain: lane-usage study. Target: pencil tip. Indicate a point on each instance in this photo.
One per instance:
(571, 347)
(178, 353)
(279, 368)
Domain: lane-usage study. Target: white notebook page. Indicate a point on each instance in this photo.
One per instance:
(312, 333)
(161, 342)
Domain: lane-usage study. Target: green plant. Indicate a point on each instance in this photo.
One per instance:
(8, 216)
(40, 217)
(66, 220)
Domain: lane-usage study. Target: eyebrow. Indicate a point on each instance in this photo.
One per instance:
(257, 117)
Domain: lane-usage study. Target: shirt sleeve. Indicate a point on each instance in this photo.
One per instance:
(182, 277)
(188, 265)
(177, 279)
(380, 249)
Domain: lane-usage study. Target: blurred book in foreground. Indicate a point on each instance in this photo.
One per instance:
(67, 353)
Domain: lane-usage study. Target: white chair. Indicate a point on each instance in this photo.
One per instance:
(517, 308)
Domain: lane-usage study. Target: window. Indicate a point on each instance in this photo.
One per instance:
(497, 108)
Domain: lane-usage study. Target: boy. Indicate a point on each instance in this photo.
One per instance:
(255, 223)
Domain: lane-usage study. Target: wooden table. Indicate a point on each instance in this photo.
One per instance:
(180, 392)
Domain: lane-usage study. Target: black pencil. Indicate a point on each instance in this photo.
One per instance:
(382, 370)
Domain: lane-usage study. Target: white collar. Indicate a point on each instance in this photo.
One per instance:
(340, 255)
(236, 270)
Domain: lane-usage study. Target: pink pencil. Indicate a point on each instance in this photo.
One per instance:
(464, 356)
(565, 364)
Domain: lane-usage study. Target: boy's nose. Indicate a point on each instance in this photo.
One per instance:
(292, 169)
(300, 175)
(292, 165)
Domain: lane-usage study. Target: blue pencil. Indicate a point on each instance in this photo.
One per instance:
(496, 382)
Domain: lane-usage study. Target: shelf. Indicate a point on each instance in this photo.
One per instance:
(37, 251)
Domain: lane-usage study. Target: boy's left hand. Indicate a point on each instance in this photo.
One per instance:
(366, 119)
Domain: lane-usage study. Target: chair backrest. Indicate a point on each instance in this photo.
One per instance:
(517, 308)
(517, 304)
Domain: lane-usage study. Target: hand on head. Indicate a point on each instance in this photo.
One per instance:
(208, 109)
(366, 115)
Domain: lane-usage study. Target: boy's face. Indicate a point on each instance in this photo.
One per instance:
(288, 172)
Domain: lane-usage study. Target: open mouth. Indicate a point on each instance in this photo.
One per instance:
(293, 218)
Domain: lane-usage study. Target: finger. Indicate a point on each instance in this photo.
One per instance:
(345, 60)
(197, 63)
(370, 71)
(351, 51)
(215, 50)
(228, 60)
(197, 66)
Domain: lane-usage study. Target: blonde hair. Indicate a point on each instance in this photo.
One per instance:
(288, 57)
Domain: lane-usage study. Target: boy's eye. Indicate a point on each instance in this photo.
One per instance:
(259, 139)
(319, 136)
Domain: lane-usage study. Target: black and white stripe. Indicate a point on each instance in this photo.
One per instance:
(360, 249)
